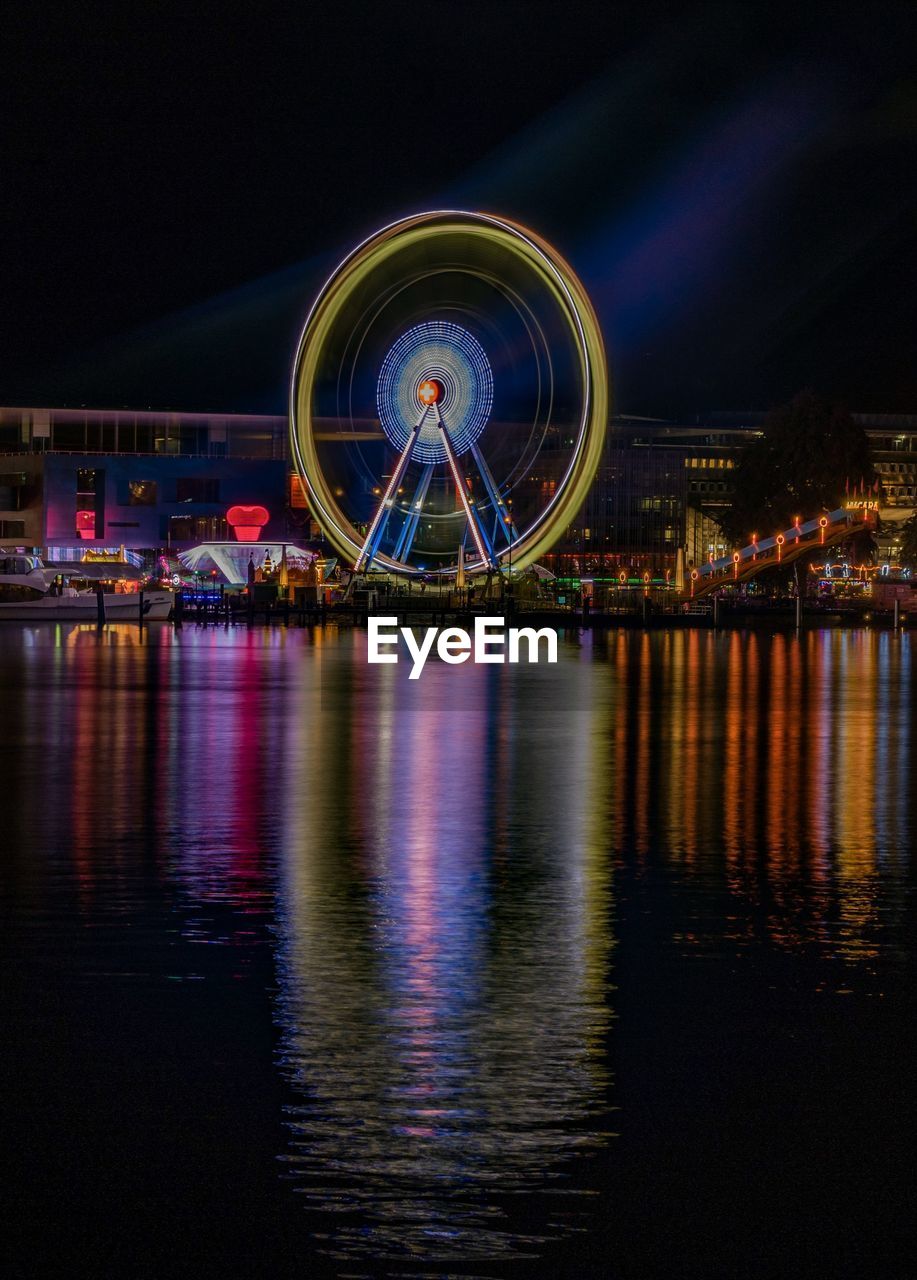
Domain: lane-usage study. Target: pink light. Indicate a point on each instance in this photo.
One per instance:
(86, 525)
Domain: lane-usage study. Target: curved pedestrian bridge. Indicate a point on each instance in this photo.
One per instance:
(783, 548)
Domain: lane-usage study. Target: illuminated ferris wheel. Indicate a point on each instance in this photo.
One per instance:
(449, 397)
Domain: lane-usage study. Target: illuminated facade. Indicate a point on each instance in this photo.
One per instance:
(659, 487)
(144, 481)
(893, 439)
(893, 445)
(663, 485)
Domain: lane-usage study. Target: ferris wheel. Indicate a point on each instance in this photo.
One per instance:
(449, 397)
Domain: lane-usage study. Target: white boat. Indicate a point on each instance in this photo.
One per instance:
(28, 594)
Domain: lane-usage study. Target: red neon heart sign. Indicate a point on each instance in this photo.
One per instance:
(247, 521)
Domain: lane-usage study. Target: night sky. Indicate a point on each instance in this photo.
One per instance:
(737, 188)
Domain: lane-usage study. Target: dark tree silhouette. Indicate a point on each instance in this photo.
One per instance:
(811, 452)
(909, 541)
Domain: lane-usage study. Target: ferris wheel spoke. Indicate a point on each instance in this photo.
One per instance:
(412, 520)
(493, 493)
(478, 533)
(380, 519)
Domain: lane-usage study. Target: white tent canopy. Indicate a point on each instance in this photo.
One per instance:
(231, 558)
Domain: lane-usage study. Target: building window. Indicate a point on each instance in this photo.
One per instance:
(12, 528)
(90, 503)
(69, 436)
(196, 489)
(86, 481)
(198, 529)
(11, 491)
(143, 493)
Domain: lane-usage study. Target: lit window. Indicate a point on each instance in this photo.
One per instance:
(143, 493)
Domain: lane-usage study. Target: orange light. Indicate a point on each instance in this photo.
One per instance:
(429, 392)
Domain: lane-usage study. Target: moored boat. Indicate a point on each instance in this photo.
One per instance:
(30, 591)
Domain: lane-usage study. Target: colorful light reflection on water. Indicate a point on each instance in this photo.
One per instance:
(456, 900)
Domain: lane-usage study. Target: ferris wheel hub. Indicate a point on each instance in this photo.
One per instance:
(429, 392)
(436, 362)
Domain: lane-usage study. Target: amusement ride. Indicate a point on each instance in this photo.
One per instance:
(449, 398)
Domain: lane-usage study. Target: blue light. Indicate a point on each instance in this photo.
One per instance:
(448, 354)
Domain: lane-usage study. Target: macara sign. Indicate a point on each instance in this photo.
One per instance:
(492, 642)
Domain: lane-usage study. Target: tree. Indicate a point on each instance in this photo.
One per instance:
(811, 453)
(909, 541)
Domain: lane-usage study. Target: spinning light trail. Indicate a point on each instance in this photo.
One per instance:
(434, 395)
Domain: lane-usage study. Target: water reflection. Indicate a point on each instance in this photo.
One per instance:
(432, 870)
(444, 954)
(776, 762)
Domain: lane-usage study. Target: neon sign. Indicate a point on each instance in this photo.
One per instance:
(247, 522)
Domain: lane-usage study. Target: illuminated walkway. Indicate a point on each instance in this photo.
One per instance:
(782, 548)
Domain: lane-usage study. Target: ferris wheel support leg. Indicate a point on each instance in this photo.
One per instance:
(491, 558)
(412, 520)
(380, 519)
(494, 494)
(481, 541)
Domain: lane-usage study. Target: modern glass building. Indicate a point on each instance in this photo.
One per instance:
(661, 486)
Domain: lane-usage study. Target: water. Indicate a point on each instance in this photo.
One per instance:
(596, 970)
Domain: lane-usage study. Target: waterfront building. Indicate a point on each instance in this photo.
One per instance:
(663, 485)
(145, 481)
(148, 480)
(893, 446)
(893, 441)
(660, 486)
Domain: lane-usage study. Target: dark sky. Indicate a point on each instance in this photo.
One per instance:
(737, 188)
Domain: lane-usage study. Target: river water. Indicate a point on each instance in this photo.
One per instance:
(590, 970)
